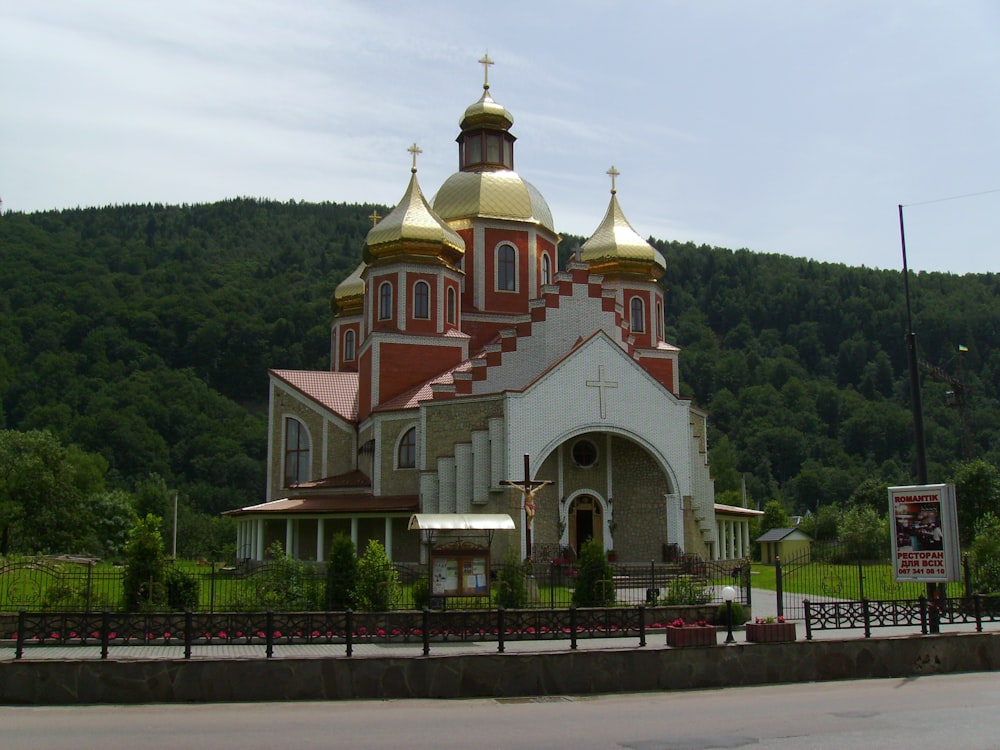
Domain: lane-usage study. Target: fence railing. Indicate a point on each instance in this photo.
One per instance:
(929, 615)
(68, 585)
(346, 628)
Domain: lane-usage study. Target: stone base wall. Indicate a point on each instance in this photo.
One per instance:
(496, 675)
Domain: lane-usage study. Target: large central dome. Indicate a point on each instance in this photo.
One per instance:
(501, 194)
(486, 185)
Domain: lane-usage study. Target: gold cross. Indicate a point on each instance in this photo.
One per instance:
(486, 62)
(614, 173)
(374, 217)
(415, 149)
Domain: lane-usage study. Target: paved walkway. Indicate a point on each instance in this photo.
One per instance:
(764, 604)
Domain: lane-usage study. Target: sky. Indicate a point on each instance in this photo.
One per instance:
(780, 126)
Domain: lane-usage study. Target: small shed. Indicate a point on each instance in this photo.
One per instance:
(788, 544)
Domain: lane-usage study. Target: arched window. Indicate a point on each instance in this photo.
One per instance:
(421, 300)
(546, 270)
(507, 269)
(385, 301)
(637, 313)
(451, 305)
(296, 452)
(406, 455)
(659, 320)
(349, 345)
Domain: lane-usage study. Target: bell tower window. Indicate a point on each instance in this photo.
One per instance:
(421, 300)
(637, 315)
(506, 269)
(385, 301)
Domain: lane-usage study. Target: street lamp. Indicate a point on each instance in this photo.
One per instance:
(729, 593)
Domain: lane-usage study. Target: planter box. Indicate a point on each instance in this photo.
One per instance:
(691, 636)
(770, 632)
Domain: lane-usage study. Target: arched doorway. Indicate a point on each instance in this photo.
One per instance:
(585, 521)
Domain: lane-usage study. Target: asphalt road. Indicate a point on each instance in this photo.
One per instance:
(949, 711)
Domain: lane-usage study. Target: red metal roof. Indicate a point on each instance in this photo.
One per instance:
(336, 391)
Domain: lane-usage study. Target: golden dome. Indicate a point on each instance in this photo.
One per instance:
(486, 112)
(616, 249)
(500, 194)
(413, 229)
(349, 296)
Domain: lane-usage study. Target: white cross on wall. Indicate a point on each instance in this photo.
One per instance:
(601, 384)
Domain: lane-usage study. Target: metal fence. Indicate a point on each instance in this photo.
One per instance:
(826, 574)
(68, 584)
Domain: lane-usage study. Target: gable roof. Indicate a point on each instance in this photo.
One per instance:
(335, 391)
(778, 535)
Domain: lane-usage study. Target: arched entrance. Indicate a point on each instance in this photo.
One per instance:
(585, 521)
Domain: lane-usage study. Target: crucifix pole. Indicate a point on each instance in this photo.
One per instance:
(527, 488)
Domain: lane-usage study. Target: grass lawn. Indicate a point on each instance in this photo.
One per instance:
(840, 581)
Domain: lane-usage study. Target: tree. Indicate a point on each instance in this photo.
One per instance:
(985, 554)
(595, 585)
(377, 589)
(511, 588)
(864, 533)
(977, 490)
(144, 563)
(341, 573)
(42, 489)
(112, 516)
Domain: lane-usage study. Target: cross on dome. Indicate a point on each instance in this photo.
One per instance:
(614, 173)
(486, 62)
(375, 217)
(415, 150)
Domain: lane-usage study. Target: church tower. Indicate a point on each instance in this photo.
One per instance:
(412, 305)
(503, 219)
(632, 268)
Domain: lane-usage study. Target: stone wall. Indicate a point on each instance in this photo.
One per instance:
(493, 675)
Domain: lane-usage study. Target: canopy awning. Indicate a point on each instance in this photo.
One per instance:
(460, 521)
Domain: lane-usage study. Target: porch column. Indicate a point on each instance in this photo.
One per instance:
(320, 536)
(354, 533)
(732, 539)
(258, 553)
(746, 539)
(289, 537)
(739, 539)
(388, 537)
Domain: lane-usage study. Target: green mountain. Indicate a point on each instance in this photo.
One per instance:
(144, 333)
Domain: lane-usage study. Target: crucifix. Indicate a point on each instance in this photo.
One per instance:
(527, 488)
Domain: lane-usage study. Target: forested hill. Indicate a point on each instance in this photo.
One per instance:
(144, 333)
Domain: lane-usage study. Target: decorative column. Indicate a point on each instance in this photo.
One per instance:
(289, 537)
(258, 553)
(354, 533)
(388, 537)
(320, 539)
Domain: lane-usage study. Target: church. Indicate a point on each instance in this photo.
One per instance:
(463, 358)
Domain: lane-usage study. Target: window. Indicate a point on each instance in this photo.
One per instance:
(507, 269)
(296, 452)
(493, 148)
(546, 270)
(349, 346)
(638, 315)
(406, 456)
(421, 300)
(659, 320)
(451, 305)
(584, 454)
(385, 301)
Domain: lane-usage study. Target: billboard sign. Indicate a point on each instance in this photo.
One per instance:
(924, 528)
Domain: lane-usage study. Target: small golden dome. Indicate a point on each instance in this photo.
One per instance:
(616, 249)
(486, 112)
(500, 194)
(413, 229)
(349, 296)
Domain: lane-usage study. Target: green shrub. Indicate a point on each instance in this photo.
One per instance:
(511, 589)
(722, 614)
(595, 585)
(685, 590)
(421, 593)
(341, 573)
(286, 584)
(377, 588)
(182, 589)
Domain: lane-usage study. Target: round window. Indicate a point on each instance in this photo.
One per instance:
(584, 453)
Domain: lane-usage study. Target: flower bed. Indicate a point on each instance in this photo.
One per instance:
(768, 630)
(682, 634)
